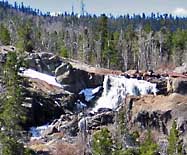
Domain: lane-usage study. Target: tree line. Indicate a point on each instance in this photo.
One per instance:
(124, 42)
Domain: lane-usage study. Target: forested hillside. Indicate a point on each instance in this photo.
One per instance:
(124, 42)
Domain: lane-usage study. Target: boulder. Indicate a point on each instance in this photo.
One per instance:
(74, 80)
(50, 130)
(43, 62)
(100, 119)
(177, 85)
(63, 68)
(63, 74)
(181, 69)
(55, 61)
(32, 63)
(67, 124)
(180, 85)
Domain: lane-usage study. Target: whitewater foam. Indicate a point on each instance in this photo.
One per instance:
(89, 93)
(36, 132)
(116, 88)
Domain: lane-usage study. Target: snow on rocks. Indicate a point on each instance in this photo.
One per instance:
(41, 76)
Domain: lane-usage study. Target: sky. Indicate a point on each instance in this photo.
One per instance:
(114, 7)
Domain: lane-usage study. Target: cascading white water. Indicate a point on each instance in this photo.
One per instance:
(36, 132)
(116, 88)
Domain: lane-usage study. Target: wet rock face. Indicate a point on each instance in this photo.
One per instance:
(161, 85)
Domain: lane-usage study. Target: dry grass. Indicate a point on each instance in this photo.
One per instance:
(68, 149)
(38, 145)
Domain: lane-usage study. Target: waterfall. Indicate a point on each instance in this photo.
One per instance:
(116, 88)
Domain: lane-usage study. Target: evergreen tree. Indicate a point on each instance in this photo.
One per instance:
(12, 113)
(103, 24)
(148, 147)
(102, 142)
(4, 35)
(25, 42)
(64, 52)
(147, 27)
(129, 152)
(174, 147)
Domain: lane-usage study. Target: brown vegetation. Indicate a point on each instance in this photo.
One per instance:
(68, 149)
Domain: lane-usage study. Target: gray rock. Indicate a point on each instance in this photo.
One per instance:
(181, 69)
(42, 108)
(100, 119)
(156, 120)
(64, 75)
(50, 130)
(31, 62)
(45, 55)
(2, 57)
(177, 85)
(74, 80)
(62, 69)
(43, 62)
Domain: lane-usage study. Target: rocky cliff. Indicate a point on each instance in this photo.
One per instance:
(72, 99)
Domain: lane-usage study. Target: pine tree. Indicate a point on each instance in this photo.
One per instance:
(148, 147)
(103, 29)
(64, 52)
(102, 142)
(12, 113)
(174, 147)
(4, 35)
(25, 42)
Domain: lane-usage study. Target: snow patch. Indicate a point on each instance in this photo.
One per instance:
(41, 76)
